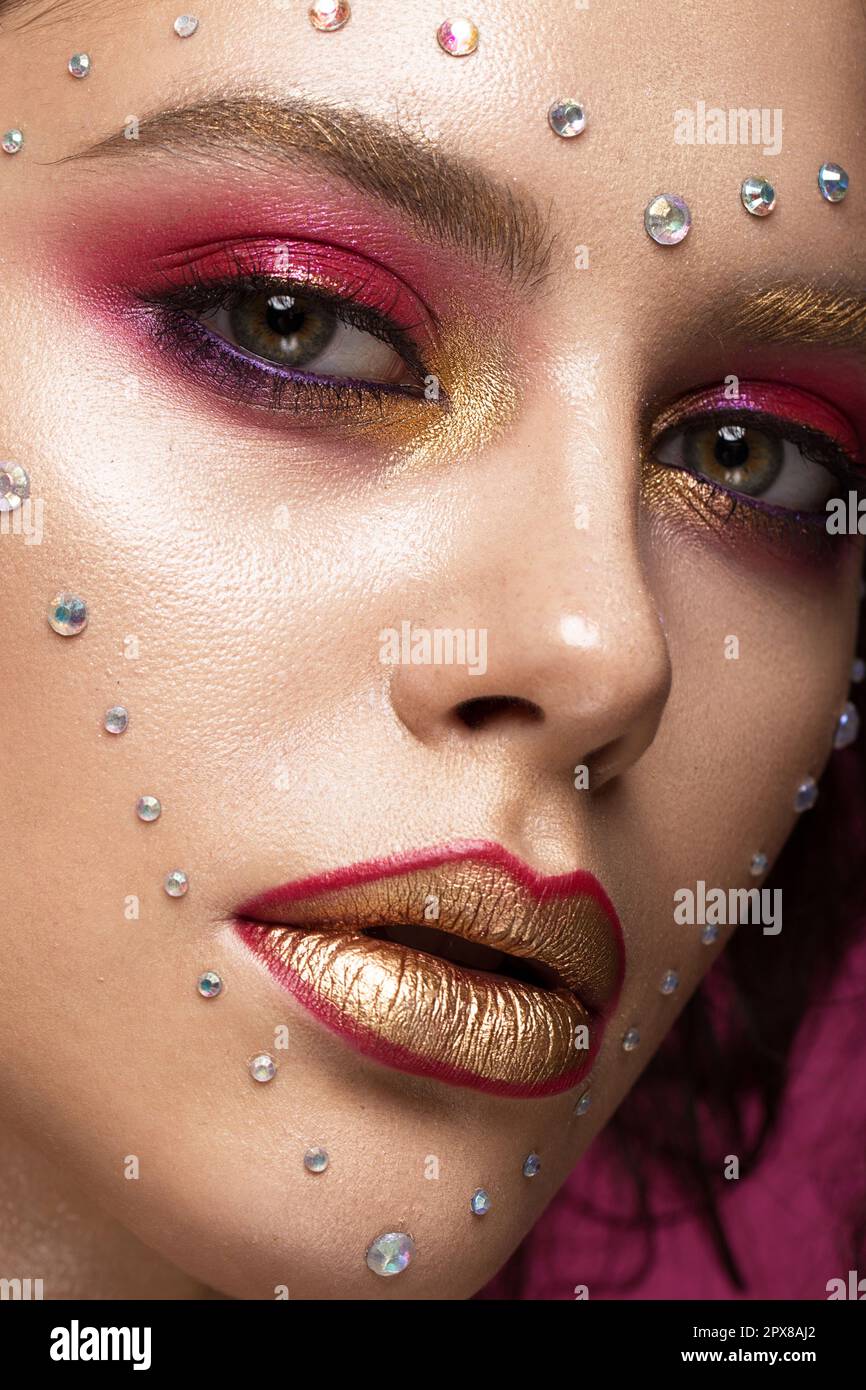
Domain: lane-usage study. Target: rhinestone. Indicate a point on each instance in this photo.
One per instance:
(116, 719)
(710, 934)
(807, 795)
(759, 196)
(858, 670)
(210, 985)
(185, 26)
(328, 15)
(176, 883)
(12, 141)
(670, 982)
(847, 727)
(567, 118)
(667, 219)
(833, 182)
(583, 1104)
(531, 1165)
(316, 1160)
(759, 865)
(147, 808)
(67, 614)
(479, 1202)
(14, 486)
(263, 1068)
(79, 64)
(459, 37)
(630, 1040)
(390, 1253)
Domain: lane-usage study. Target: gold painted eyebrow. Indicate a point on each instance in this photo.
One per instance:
(452, 199)
(832, 316)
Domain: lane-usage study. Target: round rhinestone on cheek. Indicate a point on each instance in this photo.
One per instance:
(567, 118)
(847, 727)
(263, 1068)
(14, 486)
(328, 15)
(116, 720)
(79, 64)
(209, 985)
(176, 883)
(390, 1253)
(670, 982)
(806, 795)
(479, 1202)
(316, 1160)
(630, 1040)
(12, 141)
(758, 196)
(667, 219)
(583, 1104)
(759, 865)
(459, 37)
(531, 1165)
(67, 615)
(710, 934)
(185, 26)
(148, 808)
(833, 182)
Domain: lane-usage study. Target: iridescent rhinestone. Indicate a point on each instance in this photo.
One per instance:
(316, 1160)
(148, 808)
(847, 727)
(176, 883)
(14, 486)
(12, 141)
(858, 670)
(116, 720)
(833, 182)
(329, 15)
(479, 1202)
(67, 614)
(670, 982)
(459, 37)
(583, 1104)
(79, 64)
(759, 865)
(710, 934)
(806, 795)
(210, 985)
(185, 26)
(390, 1253)
(567, 118)
(758, 196)
(667, 219)
(630, 1040)
(263, 1068)
(531, 1165)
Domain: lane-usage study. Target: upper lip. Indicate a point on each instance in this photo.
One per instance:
(555, 931)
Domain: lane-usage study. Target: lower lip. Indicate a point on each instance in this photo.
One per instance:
(429, 1017)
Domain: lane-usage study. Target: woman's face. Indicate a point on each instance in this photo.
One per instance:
(347, 348)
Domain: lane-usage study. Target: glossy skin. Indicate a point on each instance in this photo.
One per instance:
(256, 559)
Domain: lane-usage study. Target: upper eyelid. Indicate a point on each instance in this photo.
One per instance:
(758, 419)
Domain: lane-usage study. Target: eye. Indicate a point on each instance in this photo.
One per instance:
(765, 463)
(304, 333)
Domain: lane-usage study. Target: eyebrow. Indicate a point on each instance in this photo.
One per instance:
(832, 316)
(450, 197)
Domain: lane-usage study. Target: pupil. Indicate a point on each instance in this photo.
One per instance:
(283, 316)
(732, 449)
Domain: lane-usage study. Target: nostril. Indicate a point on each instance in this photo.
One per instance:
(491, 709)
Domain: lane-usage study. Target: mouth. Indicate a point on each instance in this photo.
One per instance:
(458, 963)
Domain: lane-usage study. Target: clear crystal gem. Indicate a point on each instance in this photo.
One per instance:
(210, 985)
(79, 64)
(67, 614)
(185, 26)
(12, 141)
(807, 795)
(847, 727)
(329, 15)
(176, 883)
(759, 865)
(479, 1202)
(390, 1253)
(858, 670)
(583, 1104)
(759, 196)
(116, 719)
(148, 808)
(14, 486)
(458, 37)
(630, 1040)
(567, 118)
(263, 1068)
(833, 182)
(670, 982)
(531, 1165)
(316, 1160)
(667, 219)
(710, 934)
